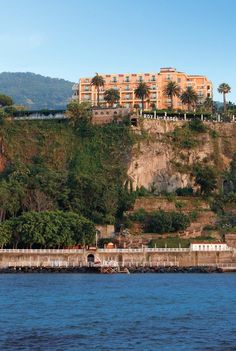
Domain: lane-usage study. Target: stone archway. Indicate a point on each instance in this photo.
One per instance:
(90, 259)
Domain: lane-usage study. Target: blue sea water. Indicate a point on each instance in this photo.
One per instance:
(118, 312)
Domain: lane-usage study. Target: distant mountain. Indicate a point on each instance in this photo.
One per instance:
(35, 91)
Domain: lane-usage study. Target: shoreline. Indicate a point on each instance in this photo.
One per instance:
(97, 270)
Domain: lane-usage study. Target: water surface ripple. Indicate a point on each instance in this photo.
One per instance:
(142, 312)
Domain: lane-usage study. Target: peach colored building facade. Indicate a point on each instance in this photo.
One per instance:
(127, 83)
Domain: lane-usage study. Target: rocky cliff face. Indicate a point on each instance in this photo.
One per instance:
(157, 162)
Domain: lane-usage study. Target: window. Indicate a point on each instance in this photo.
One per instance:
(168, 77)
(154, 87)
(153, 78)
(154, 96)
(86, 97)
(86, 80)
(114, 79)
(140, 78)
(127, 78)
(178, 80)
(127, 96)
(86, 88)
(127, 87)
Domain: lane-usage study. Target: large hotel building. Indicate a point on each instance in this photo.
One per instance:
(127, 83)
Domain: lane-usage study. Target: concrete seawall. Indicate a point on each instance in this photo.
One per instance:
(116, 257)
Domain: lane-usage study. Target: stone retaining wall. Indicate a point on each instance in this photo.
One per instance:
(181, 259)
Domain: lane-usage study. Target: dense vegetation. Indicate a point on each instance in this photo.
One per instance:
(71, 172)
(51, 166)
(35, 91)
(160, 221)
(48, 229)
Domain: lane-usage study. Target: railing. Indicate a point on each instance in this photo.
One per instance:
(141, 250)
(181, 116)
(33, 251)
(98, 250)
(168, 249)
(127, 264)
(41, 116)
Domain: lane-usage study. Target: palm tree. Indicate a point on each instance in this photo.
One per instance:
(142, 92)
(189, 97)
(224, 89)
(98, 81)
(208, 105)
(172, 89)
(111, 96)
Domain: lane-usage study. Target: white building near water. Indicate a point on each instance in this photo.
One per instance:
(209, 246)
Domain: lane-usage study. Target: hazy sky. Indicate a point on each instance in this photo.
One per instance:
(73, 38)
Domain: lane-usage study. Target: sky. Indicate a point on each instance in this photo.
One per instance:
(75, 38)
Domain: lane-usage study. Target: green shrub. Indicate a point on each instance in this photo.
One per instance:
(196, 125)
(160, 221)
(205, 177)
(142, 191)
(187, 191)
(138, 215)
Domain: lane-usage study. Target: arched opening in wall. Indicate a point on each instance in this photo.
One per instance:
(134, 122)
(227, 186)
(90, 259)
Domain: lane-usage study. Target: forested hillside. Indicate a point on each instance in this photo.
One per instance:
(35, 91)
(52, 166)
(59, 178)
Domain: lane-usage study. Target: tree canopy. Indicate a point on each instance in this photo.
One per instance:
(5, 100)
(224, 89)
(205, 177)
(189, 97)
(98, 81)
(78, 112)
(111, 96)
(142, 92)
(172, 89)
(50, 229)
